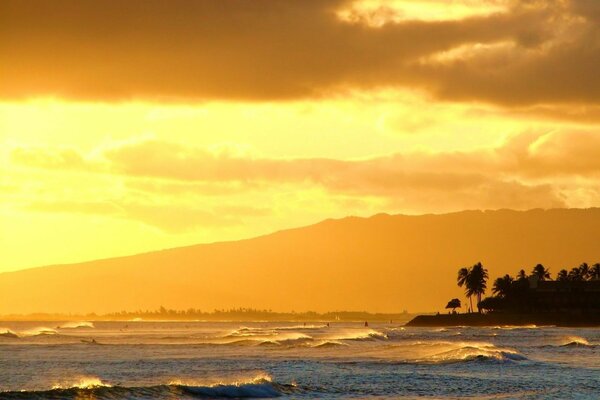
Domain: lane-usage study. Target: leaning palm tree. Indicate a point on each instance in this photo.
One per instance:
(595, 272)
(562, 275)
(463, 280)
(502, 286)
(541, 272)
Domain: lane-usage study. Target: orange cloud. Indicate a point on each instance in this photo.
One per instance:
(172, 218)
(520, 174)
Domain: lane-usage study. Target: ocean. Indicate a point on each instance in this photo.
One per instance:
(209, 360)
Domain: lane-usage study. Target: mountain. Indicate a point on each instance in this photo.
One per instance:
(382, 263)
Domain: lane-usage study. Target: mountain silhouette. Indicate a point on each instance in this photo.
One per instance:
(384, 263)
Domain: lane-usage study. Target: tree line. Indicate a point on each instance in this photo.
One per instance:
(474, 280)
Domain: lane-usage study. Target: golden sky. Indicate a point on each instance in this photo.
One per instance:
(132, 126)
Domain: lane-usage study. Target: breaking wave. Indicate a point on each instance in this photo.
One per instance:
(259, 387)
(248, 332)
(369, 334)
(329, 344)
(513, 327)
(576, 341)
(82, 383)
(75, 325)
(466, 352)
(7, 333)
(40, 331)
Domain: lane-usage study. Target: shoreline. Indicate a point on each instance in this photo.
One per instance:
(500, 319)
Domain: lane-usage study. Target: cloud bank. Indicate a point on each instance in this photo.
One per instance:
(525, 53)
(529, 170)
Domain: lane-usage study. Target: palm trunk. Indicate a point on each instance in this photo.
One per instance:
(471, 302)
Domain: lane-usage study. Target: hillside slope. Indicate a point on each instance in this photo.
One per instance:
(382, 263)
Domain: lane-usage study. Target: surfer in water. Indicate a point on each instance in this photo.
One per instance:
(366, 324)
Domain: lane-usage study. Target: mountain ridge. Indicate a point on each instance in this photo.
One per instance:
(379, 263)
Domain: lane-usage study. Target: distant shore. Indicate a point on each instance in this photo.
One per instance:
(237, 315)
(500, 319)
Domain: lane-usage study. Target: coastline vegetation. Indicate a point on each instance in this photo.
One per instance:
(527, 293)
(236, 314)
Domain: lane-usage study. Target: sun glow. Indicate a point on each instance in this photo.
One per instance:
(377, 13)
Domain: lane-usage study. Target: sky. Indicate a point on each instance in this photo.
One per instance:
(132, 126)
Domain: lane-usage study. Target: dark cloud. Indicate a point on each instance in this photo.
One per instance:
(270, 49)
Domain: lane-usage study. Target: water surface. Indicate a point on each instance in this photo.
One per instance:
(189, 360)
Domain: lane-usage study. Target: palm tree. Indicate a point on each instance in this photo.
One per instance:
(503, 285)
(575, 274)
(463, 280)
(474, 280)
(584, 271)
(479, 276)
(521, 276)
(541, 272)
(595, 272)
(562, 275)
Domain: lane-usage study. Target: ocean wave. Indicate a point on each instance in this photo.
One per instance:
(575, 341)
(76, 325)
(328, 344)
(474, 353)
(260, 387)
(299, 327)
(7, 333)
(245, 331)
(39, 331)
(362, 335)
(249, 332)
(570, 341)
(466, 352)
(288, 340)
(82, 383)
(513, 327)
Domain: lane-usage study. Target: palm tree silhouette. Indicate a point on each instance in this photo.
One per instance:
(562, 275)
(541, 272)
(521, 276)
(462, 280)
(584, 271)
(595, 272)
(479, 281)
(502, 286)
(577, 274)
(474, 280)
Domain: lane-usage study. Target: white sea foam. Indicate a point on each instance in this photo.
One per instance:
(8, 333)
(575, 341)
(75, 325)
(82, 383)
(468, 351)
(39, 331)
(359, 335)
